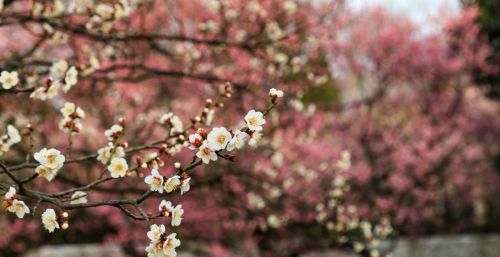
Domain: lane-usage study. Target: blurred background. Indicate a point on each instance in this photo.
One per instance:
(386, 143)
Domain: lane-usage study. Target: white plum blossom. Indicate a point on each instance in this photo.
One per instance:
(46, 92)
(53, 90)
(56, 10)
(274, 31)
(165, 118)
(122, 9)
(210, 117)
(9, 79)
(290, 7)
(177, 213)
(255, 120)
(70, 126)
(218, 138)
(118, 167)
(175, 121)
(185, 186)
(238, 140)
(50, 158)
(11, 193)
(70, 79)
(255, 138)
(14, 136)
(345, 161)
(255, 7)
(170, 244)
(274, 221)
(58, 69)
(195, 141)
(69, 109)
(172, 183)
(276, 93)
(39, 93)
(79, 197)
(206, 154)
(4, 146)
(155, 181)
(48, 173)
(19, 208)
(113, 131)
(72, 115)
(165, 206)
(212, 5)
(164, 248)
(105, 11)
(49, 220)
(155, 232)
(153, 250)
(105, 154)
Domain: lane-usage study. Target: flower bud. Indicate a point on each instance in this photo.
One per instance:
(65, 225)
(202, 132)
(138, 159)
(49, 81)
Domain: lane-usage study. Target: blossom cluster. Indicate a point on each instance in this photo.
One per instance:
(219, 138)
(173, 121)
(61, 76)
(209, 146)
(51, 221)
(72, 115)
(160, 184)
(162, 245)
(51, 161)
(112, 154)
(12, 204)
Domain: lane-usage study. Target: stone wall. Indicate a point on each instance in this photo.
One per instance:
(436, 246)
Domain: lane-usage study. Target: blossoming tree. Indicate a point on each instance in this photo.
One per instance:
(46, 85)
(80, 55)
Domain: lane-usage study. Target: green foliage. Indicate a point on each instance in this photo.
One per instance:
(489, 19)
(327, 93)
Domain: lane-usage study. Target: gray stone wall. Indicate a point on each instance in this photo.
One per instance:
(436, 246)
(448, 246)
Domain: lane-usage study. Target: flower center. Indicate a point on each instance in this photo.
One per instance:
(221, 139)
(169, 243)
(44, 172)
(51, 159)
(253, 121)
